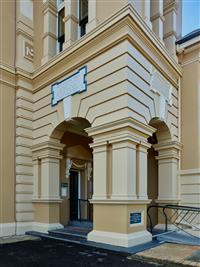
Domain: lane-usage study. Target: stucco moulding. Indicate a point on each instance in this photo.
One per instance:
(125, 17)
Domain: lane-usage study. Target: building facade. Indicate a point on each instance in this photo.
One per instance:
(96, 115)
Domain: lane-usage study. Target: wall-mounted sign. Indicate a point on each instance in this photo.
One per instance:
(74, 84)
(135, 217)
(64, 189)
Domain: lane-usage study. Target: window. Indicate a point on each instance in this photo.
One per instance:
(83, 16)
(61, 29)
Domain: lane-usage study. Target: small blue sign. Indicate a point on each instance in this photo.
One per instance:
(135, 217)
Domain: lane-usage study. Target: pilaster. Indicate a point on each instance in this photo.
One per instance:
(146, 12)
(71, 22)
(170, 25)
(157, 18)
(168, 165)
(92, 15)
(142, 171)
(46, 157)
(50, 29)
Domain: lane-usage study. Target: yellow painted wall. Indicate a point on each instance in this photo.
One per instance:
(7, 153)
(7, 32)
(190, 116)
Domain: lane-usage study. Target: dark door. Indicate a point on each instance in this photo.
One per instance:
(73, 195)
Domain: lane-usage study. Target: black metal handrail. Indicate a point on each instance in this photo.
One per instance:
(179, 214)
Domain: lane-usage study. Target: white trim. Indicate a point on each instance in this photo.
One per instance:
(45, 227)
(189, 171)
(119, 239)
(7, 229)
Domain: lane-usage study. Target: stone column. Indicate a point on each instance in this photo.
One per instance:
(71, 22)
(124, 170)
(47, 186)
(157, 18)
(119, 216)
(142, 171)
(92, 15)
(49, 30)
(168, 166)
(100, 183)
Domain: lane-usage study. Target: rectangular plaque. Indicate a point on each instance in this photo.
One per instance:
(135, 217)
(74, 84)
(64, 190)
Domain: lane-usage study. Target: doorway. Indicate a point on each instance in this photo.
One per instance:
(74, 195)
(153, 178)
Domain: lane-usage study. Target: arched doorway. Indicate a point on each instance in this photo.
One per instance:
(63, 171)
(163, 164)
(76, 180)
(152, 174)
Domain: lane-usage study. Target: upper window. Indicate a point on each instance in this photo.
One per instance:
(61, 28)
(83, 16)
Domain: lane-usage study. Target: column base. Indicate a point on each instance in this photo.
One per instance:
(23, 227)
(7, 229)
(119, 239)
(45, 227)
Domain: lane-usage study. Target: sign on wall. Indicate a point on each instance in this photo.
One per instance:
(135, 217)
(74, 84)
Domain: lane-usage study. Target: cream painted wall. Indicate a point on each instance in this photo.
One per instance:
(7, 118)
(7, 32)
(190, 123)
(7, 153)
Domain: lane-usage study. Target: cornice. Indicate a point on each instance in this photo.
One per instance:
(125, 17)
(7, 68)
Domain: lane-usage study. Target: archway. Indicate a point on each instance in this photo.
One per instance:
(63, 171)
(163, 157)
(152, 177)
(76, 180)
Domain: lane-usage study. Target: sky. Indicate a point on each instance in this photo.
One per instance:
(191, 16)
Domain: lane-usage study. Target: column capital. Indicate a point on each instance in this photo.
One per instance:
(47, 149)
(168, 145)
(119, 128)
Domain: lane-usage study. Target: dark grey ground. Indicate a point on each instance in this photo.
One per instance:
(47, 252)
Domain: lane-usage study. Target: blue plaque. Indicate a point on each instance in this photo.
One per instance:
(135, 217)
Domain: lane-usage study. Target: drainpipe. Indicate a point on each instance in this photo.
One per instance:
(15, 116)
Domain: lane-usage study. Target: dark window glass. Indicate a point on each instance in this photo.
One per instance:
(61, 29)
(83, 15)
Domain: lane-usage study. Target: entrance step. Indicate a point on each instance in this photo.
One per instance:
(82, 224)
(71, 232)
(83, 241)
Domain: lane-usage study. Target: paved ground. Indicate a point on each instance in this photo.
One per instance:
(174, 253)
(31, 253)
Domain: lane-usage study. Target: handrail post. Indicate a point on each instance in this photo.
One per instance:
(151, 225)
(166, 226)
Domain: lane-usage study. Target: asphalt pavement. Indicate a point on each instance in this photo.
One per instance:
(45, 252)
